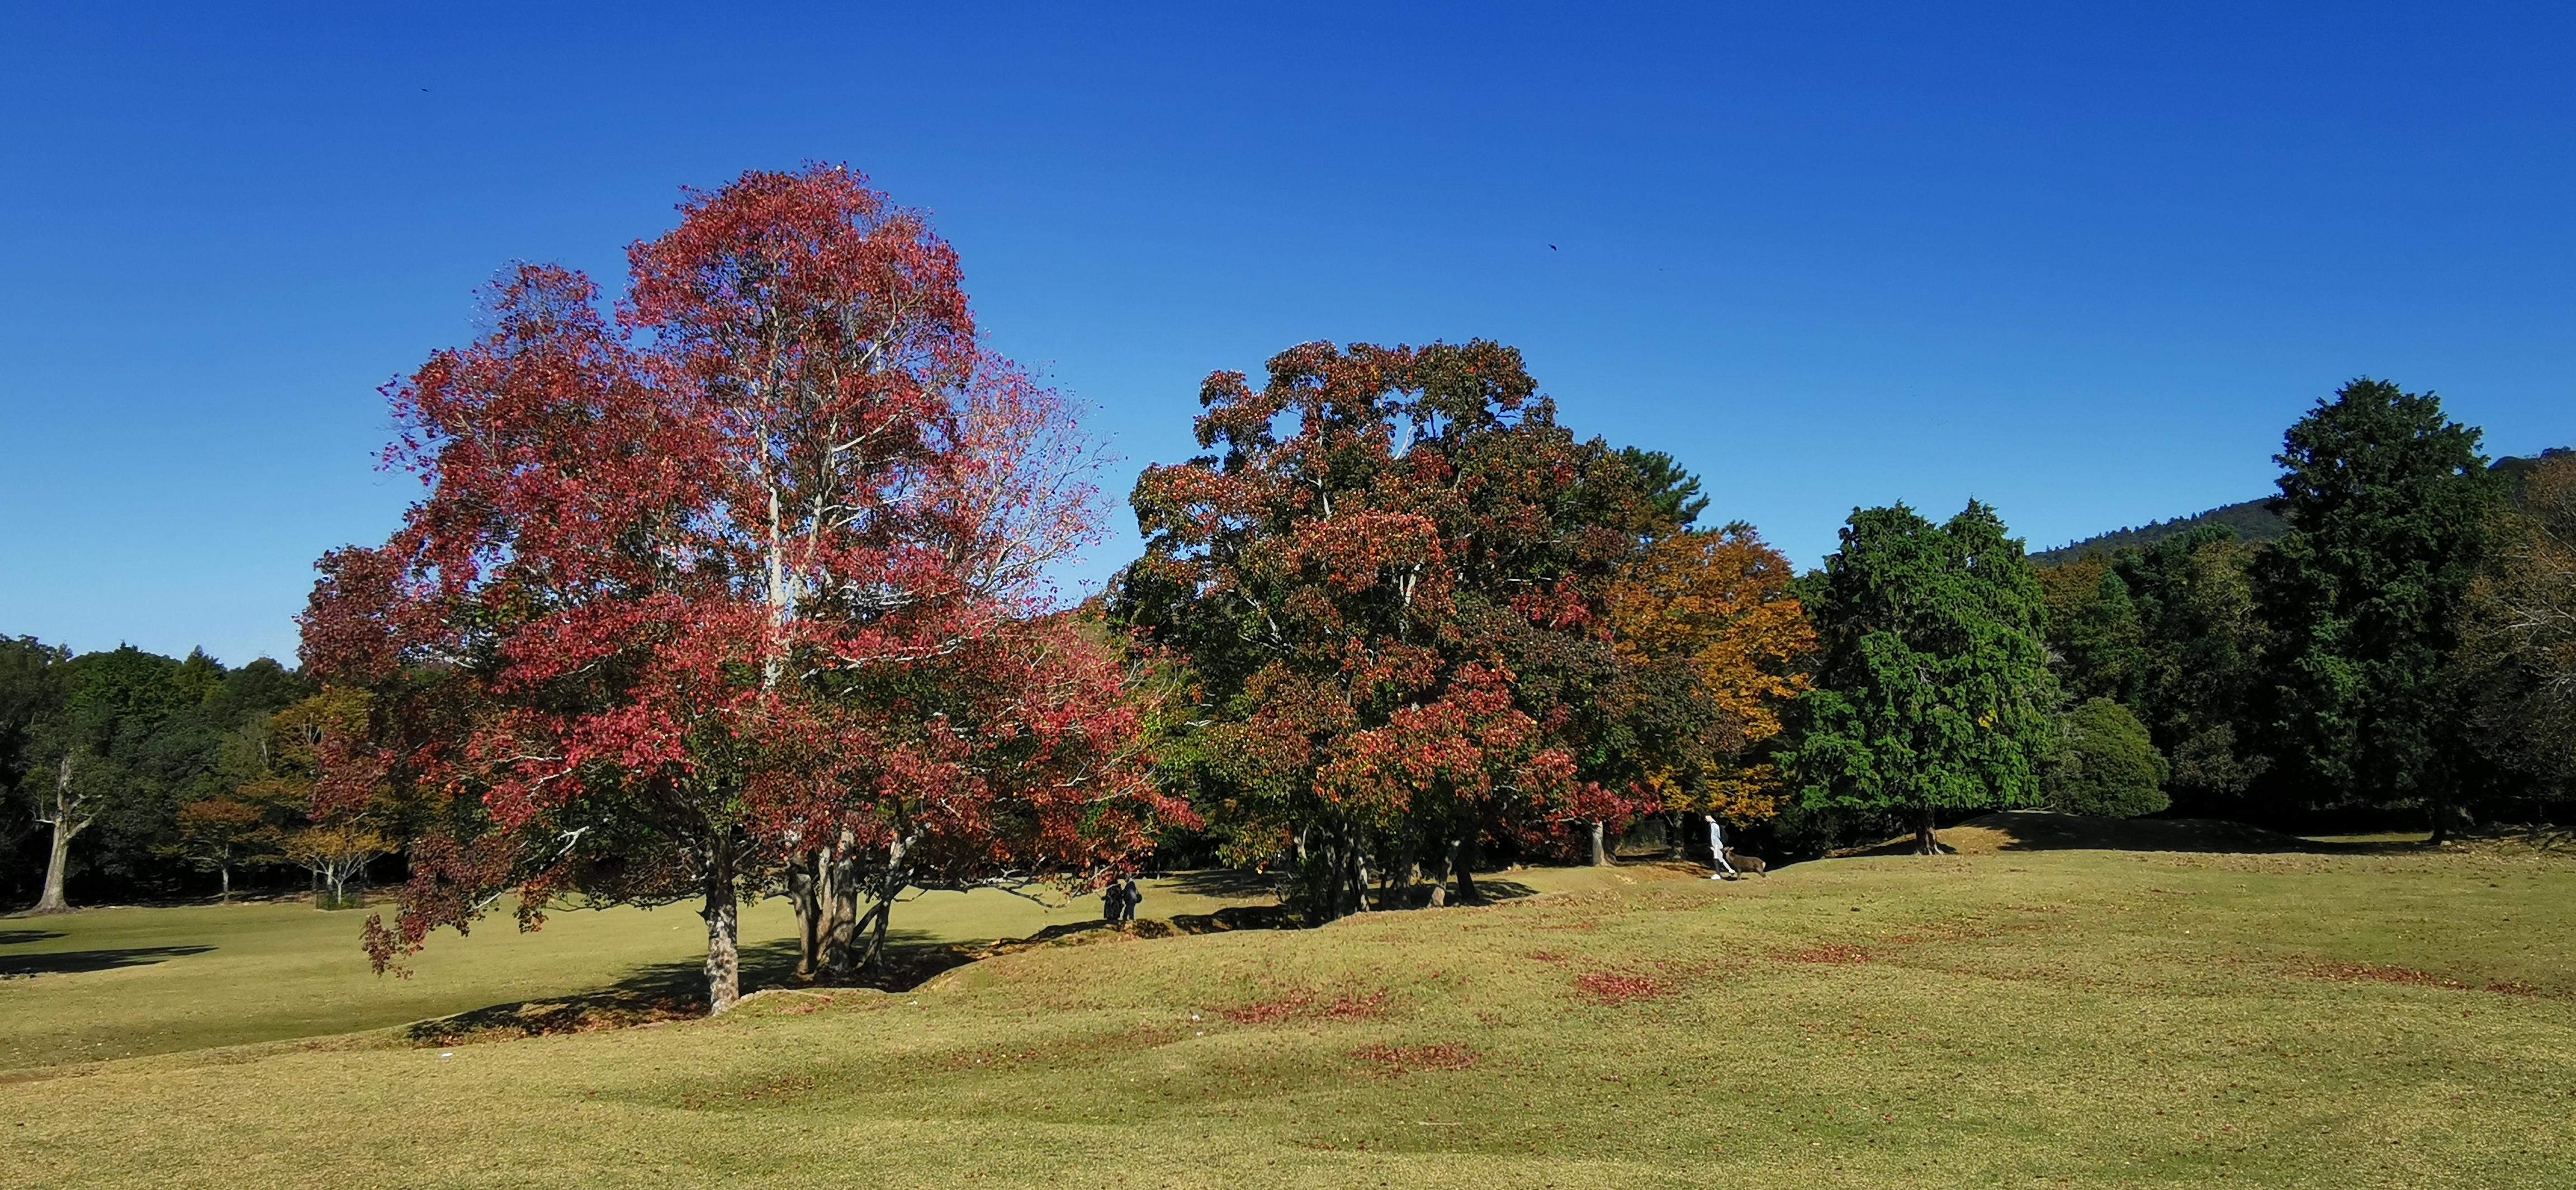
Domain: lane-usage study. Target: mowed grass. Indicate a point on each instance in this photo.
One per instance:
(2039, 1018)
(115, 983)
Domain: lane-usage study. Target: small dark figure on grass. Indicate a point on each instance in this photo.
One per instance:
(1133, 897)
(1113, 903)
(1743, 863)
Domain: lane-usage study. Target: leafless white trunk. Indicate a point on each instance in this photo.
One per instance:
(64, 814)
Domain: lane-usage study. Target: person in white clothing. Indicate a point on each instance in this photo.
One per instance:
(1717, 850)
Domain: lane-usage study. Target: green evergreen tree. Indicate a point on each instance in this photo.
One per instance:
(1934, 693)
(2386, 499)
(2106, 764)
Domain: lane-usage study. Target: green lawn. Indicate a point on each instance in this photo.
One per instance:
(115, 983)
(2025, 1018)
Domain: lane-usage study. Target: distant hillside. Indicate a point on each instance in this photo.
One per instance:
(2253, 520)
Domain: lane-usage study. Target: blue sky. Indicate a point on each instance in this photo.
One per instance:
(2082, 261)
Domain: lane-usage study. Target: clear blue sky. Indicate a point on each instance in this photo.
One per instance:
(2084, 261)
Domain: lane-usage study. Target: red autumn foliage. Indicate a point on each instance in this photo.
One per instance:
(744, 583)
(1390, 575)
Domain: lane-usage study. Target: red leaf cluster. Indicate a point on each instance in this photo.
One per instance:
(1604, 987)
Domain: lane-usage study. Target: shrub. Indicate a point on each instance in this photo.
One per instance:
(2106, 765)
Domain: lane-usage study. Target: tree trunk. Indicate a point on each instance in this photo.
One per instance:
(1408, 871)
(1600, 858)
(856, 942)
(227, 870)
(805, 895)
(839, 902)
(1467, 864)
(1359, 870)
(2441, 818)
(1925, 843)
(724, 930)
(58, 867)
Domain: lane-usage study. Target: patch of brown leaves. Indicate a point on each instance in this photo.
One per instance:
(1603, 987)
(1392, 1060)
(2373, 973)
(1349, 1006)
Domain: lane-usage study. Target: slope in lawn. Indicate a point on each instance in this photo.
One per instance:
(2041, 1018)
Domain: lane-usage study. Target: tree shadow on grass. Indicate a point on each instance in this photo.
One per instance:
(22, 937)
(69, 961)
(1229, 883)
(678, 991)
(1495, 888)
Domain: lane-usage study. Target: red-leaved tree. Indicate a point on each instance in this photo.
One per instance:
(1388, 575)
(740, 591)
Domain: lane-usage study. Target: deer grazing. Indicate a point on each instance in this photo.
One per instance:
(1747, 863)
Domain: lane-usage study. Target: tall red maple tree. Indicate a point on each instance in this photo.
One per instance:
(742, 589)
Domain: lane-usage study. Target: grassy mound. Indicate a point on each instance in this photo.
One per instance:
(2043, 830)
(2088, 1018)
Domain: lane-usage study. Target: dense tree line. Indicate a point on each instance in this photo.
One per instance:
(737, 590)
(134, 773)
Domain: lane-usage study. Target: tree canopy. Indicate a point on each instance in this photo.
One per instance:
(2387, 500)
(2106, 765)
(743, 584)
(1933, 692)
(1389, 574)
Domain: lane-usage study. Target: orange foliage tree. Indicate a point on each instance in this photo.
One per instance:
(1720, 603)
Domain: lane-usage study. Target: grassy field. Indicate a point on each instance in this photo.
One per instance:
(2017, 1018)
(117, 983)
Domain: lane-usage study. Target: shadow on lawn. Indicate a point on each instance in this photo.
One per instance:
(1229, 883)
(59, 962)
(678, 991)
(2046, 830)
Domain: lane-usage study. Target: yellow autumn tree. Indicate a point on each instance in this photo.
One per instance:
(1719, 601)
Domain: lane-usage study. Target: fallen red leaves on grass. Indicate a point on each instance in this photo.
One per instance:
(1349, 1006)
(1602, 987)
(1831, 952)
(2373, 973)
(1405, 1059)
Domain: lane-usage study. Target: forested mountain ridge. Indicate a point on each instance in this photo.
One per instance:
(2253, 520)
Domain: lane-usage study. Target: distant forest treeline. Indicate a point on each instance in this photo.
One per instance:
(2251, 520)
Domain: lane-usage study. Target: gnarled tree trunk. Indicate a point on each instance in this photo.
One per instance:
(1466, 864)
(66, 823)
(724, 928)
